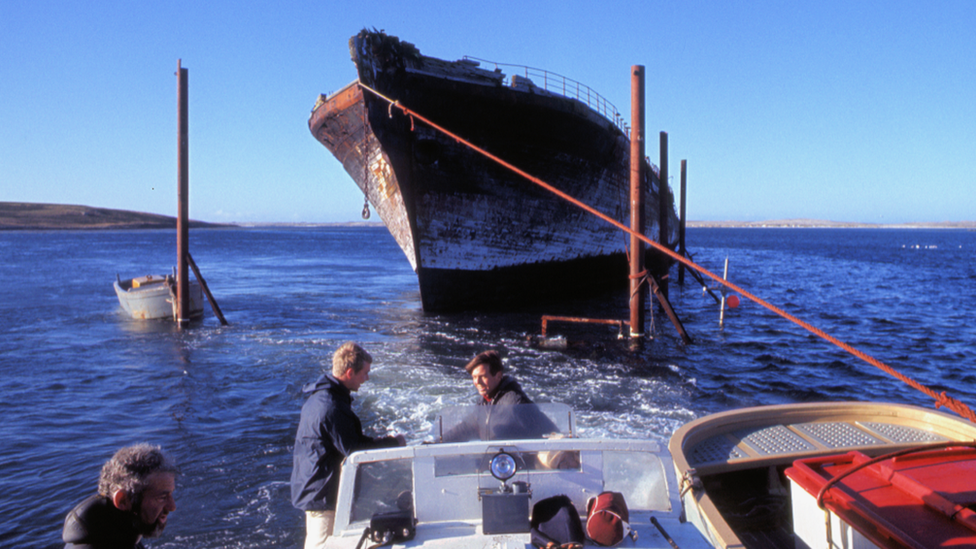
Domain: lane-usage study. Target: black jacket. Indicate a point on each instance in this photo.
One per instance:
(97, 524)
(328, 431)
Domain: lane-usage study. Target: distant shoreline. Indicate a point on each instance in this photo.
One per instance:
(821, 224)
(26, 216)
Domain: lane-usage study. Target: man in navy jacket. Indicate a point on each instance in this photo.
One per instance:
(328, 431)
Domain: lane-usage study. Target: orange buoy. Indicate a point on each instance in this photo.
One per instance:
(733, 301)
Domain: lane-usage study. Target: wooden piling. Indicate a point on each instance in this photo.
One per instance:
(664, 205)
(183, 196)
(669, 310)
(721, 311)
(210, 297)
(681, 223)
(638, 287)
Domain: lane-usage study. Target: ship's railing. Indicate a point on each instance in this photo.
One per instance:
(561, 85)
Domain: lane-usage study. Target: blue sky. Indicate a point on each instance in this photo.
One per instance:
(839, 110)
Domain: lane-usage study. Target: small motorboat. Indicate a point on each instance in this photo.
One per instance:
(480, 493)
(749, 479)
(153, 297)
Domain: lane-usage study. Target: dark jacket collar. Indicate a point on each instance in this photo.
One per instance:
(328, 382)
(507, 383)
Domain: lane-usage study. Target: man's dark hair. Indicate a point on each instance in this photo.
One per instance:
(489, 358)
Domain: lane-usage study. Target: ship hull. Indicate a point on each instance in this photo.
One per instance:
(478, 234)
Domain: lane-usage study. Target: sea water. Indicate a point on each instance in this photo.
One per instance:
(78, 379)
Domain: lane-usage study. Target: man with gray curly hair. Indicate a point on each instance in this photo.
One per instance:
(134, 499)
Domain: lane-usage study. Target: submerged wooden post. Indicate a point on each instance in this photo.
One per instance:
(669, 310)
(681, 221)
(664, 205)
(210, 297)
(638, 288)
(183, 196)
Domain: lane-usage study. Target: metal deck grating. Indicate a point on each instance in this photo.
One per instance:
(773, 440)
(838, 434)
(720, 448)
(781, 439)
(902, 433)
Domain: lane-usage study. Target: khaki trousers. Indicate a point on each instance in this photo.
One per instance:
(318, 528)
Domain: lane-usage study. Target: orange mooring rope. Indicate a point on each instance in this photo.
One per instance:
(941, 399)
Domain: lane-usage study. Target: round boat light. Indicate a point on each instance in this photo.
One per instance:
(502, 466)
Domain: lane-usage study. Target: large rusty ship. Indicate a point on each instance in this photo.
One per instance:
(477, 234)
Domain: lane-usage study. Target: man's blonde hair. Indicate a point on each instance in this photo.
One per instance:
(349, 355)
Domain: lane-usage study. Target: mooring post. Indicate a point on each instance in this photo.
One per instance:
(669, 310)
(206, 290)
(681, 223)
(638, 288)
(721, 310)
(664, 205)
(183, 197)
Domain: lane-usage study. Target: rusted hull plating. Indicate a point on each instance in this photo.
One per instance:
(477, 234)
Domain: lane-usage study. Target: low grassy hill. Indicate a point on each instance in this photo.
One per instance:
(29, 216)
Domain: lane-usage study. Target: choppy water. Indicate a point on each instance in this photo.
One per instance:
(78, 379)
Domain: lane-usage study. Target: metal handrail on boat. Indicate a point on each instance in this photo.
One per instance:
(561, 85)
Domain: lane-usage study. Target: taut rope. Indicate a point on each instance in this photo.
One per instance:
(941, 399)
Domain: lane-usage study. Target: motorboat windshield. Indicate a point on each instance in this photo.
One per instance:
(447, 482)
(503, 422)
